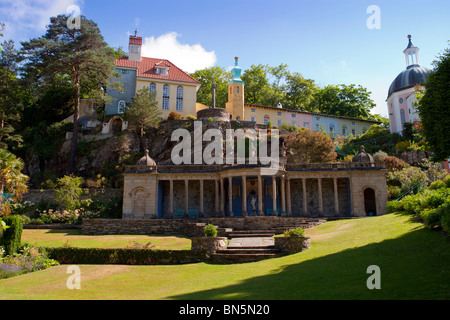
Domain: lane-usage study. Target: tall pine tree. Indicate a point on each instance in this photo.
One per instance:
(80, 53)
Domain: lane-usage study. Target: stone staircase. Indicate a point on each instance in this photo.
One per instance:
(246, 254)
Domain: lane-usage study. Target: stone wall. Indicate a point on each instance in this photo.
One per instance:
(190, 227)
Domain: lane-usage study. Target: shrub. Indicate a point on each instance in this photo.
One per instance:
(445, 217)
(298, 232)
(124, 256)
(394, 206)
(189, 117)
(210, 230)
(12, 235)
(431, 217)
(447, 181)
(379, 156)
(174, 116)
(68, 192)
(394, 163)
(438, 184)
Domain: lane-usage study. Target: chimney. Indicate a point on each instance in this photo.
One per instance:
(134, 48)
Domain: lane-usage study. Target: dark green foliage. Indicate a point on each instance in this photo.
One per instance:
(124, 256)
(12, 236)
(434, 108)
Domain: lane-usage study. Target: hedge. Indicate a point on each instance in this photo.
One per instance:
(12, 236)
(124, 256)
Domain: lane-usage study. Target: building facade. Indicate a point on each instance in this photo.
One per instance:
(262, 115)
(176, 91)
(402, 91)
(305, 190)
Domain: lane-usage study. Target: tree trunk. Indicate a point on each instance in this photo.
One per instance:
(73, 151)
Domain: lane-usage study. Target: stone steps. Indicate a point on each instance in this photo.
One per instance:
(244, 255)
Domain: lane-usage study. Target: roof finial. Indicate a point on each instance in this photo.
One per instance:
(236, 59)
(135, 33)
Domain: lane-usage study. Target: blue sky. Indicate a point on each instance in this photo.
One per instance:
(325, 40)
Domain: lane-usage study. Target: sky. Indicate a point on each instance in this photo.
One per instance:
(330, 41)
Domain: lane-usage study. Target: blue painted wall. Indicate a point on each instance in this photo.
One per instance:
(129, 81)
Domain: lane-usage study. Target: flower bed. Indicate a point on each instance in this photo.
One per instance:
(30, 259)
(65, 216)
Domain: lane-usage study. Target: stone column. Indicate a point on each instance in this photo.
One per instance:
(244, 196)
(230, 196)
(217, 198)
(222, 198)
(320, 197)
(201, 199)
(305, 199)
(274, 196)
(186, 198)
(288, 194)
(171, 215)
(336, 197)
(283, 196)
(260, 197)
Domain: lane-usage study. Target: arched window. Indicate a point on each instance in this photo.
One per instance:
(121, 105)
(179, 106)
(403, 116)
(152, 88)
(166, 96)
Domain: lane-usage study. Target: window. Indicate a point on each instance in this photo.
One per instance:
(306, 125)
(152, 89)
(279, 123)
(166, 96)
(179, 106)
(318, 118)
(401, 100)
(121, 106)
(266, 121)
(252, 119)
(279, 114)
(354, 132)
(252, 110)
(134, 49)
(353, 123)
(162, 71)
(293, 115)
(237, 89)
(403, 116)
(124, 71)
(344, 131)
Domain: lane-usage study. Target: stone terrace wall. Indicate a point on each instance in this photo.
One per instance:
(190, 227)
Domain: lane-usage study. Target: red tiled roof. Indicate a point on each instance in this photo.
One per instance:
(146, 69)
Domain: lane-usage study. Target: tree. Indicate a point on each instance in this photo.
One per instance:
(12, 181)
(299, 92)
(143, 112)
(80, 53)
(217, 75)
(344, 100)
(257, 86)
(307, 146)
(9, 94)
(434, 108)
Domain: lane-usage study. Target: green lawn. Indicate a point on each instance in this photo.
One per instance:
(74, 238)
(414, 264)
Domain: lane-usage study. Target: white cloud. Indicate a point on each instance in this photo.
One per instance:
(187, 57)
(28, 18)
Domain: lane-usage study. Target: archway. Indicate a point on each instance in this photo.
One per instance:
(370, 202)
(116, 125)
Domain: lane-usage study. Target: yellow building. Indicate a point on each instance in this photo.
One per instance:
(262, 115)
